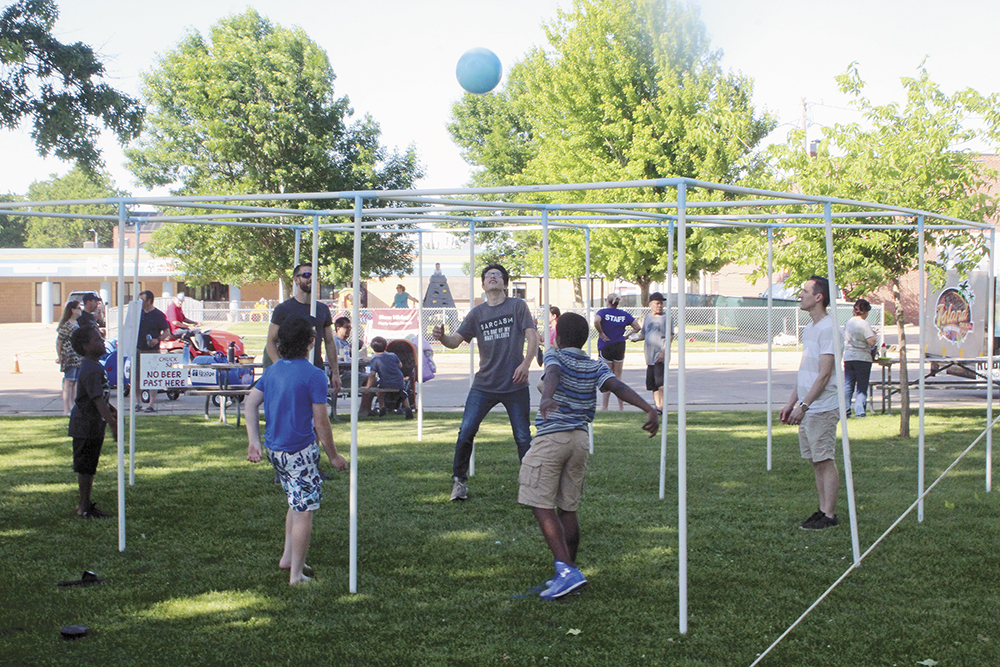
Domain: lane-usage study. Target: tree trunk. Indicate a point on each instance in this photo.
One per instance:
(904, 377)
(643, 291)
(578, 291)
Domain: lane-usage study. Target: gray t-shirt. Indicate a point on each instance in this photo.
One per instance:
(654, 333)
(499, 332)
(857, 331)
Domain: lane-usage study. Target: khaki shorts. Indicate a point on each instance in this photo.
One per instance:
(552, 471)
(818, 435)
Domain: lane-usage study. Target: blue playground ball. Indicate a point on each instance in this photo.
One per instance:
(479, 70)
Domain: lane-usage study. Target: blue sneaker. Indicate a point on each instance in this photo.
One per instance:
(567, 580)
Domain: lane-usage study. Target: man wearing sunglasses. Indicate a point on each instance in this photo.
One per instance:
(300, 305)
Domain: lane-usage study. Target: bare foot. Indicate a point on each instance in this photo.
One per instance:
(307, 570)
(303, 580)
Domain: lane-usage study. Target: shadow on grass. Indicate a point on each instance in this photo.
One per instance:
(439, 582)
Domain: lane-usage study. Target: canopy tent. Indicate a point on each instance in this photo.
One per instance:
(486, 209)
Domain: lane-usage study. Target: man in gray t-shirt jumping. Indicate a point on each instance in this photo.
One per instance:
(501, 326)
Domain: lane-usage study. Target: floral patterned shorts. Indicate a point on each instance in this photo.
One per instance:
(300, 476)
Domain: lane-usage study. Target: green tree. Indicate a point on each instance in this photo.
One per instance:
(58, 87)
(66, 232)
(251, 109)
(905, 156)
(12, 234)
(624, 91)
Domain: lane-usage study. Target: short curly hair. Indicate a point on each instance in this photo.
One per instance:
(294, 336)
(80, 337)
(572, 330)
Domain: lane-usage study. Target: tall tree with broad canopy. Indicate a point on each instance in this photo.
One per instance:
(79, 183)
(251, 109)
(909, 156)
(625, 90)
(58, 87)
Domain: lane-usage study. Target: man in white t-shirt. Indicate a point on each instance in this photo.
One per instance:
(814, 403)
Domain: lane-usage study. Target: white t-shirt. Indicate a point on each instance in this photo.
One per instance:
(856, 333)
(817, 340)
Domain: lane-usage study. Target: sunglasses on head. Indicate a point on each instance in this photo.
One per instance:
(304, 275)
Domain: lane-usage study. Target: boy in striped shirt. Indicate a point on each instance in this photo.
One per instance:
(552, 472)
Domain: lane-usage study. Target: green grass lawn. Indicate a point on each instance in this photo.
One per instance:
(199, 585)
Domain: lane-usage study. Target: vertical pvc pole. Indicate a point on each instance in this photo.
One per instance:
(991, 337)
(419, 384)
(770, 340)
(472, 343)
(921, 470)
(717, 328)
(545, 279)
(298, 245)
(588, 297)
(355, 395)
(135, 379)
(315, 273)
(838, 367)
(682, 548)
(666, 364)
(120, 371)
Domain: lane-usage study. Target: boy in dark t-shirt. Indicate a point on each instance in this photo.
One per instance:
(90, 414)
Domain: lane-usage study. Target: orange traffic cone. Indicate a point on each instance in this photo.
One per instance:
(17, 367)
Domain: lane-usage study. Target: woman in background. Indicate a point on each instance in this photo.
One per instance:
(610, 323)
(858, 342)
(66, 357)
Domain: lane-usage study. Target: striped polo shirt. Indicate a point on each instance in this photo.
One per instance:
(576, 393)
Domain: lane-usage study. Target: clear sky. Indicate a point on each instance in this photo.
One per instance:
(395, 59)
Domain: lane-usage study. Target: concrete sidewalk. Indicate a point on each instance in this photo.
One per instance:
(715, 381)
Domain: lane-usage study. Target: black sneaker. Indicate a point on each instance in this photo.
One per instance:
(822, 522)
(815, 517)
(94, 512)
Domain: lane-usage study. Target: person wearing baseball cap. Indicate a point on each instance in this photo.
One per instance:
(658, 333)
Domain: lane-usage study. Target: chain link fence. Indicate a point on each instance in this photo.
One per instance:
(708, 328)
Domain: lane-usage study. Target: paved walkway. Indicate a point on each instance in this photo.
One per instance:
(715, 381)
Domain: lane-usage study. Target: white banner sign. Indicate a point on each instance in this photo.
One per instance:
(392, 323)
(158, 372)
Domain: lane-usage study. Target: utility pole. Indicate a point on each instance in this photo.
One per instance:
(805, 129)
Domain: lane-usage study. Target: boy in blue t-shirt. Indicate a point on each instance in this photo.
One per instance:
(552, 472)
(91, 412)
(293, 393)
(387, 374)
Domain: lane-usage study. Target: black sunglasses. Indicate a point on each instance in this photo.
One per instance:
(304, 275)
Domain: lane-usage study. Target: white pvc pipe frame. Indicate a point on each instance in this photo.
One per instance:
(437, 205)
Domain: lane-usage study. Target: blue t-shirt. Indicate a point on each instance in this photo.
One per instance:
(386, 364)
(576, 393)
(290, 388)
(613, 323)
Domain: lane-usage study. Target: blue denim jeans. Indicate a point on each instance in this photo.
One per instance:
(477, 406)
(856, 375)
